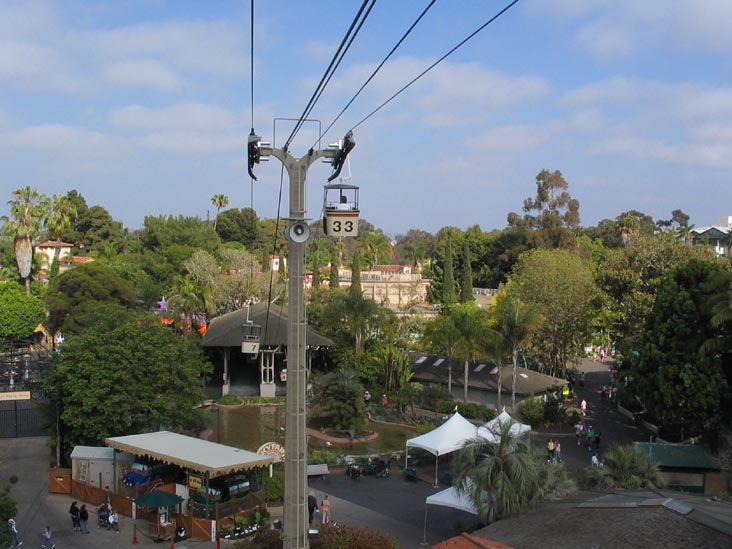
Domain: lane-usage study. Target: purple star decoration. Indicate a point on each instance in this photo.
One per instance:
(163, 304)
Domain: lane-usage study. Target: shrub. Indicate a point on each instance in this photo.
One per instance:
(346, 536)
(263, 539)
(626, 467)
(553, 410)
(468, 410)
(424, 427)
(318, 455)
(556, 481)
(274, 486)
(532, 411)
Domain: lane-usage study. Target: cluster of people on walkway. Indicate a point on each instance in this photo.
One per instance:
(313, 507)
(79, 517)
(554, 451)
(587, 435)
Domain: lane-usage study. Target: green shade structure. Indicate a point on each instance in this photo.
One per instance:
(158, 498)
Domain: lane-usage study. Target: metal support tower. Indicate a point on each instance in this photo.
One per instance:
(296, 451)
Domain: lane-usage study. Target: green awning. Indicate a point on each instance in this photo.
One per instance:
(158, 498)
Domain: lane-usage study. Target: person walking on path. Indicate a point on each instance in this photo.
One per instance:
(550, 449)
(74, 512)
(384, 401)
(14, 531)
(84, 519)
(590, 437)
(312, 505)
(558, 452)
(46, 535)
(596, 440)
(583, 406)
(325, 506)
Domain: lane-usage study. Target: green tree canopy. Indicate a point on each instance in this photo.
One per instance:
(238, 225)
(127, 374)
(679, 385)
(81, 289)
(630, 276)
(20, 313)
(340, 394)
(560, 286)
(553, 215)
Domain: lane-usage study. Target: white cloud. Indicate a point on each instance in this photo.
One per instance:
(451, 95)
(509, 139)
(183, 116)
(620, 28)
(194, 141)
(59, 138)
(214, 48)
(710, 156)
(142, 73)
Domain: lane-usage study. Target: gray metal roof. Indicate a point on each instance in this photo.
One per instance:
(226, 330)
(482, 374)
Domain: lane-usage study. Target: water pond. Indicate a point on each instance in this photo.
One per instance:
(248, 427)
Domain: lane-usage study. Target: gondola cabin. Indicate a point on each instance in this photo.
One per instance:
(250, 334)
(340, 205)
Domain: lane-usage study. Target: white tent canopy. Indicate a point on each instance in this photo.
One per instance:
(451, 498)
(447, 438)
(517, 429)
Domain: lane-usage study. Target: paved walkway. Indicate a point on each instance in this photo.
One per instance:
(601, 414)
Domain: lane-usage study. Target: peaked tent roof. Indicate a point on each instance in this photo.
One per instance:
(225, 330)
(448, 437)
(517, 429)
(451, 498)
(195, 454)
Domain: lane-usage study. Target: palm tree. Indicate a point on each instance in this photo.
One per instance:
(501, 478)
(627, 467)
(442, 336)
(472, 324)
(23, 227)
(60, 216)
(340, 393)
(514, 323)
(375, 244)
(220, 201)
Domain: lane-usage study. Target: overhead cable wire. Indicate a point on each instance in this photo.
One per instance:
(251, 94)
(337, 57)
(274, 250)
(368, 80)
(433, 65)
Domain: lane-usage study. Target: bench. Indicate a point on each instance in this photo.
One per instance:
(320, 469)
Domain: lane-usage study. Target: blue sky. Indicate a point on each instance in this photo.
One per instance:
(144, 106)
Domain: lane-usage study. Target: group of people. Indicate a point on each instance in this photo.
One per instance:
(313, 507)
(589, 435)
(108, 517)
(554, 451)
(367, 399)
(79, 517)
(46, 535)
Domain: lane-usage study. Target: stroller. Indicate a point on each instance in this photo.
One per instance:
(103, 516)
